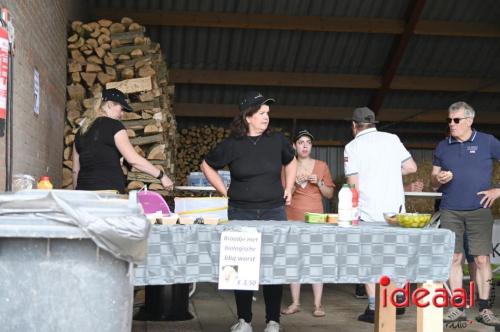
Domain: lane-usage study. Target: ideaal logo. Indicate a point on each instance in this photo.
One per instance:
(441, 298)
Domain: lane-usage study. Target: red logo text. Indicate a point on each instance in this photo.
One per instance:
(440, 298)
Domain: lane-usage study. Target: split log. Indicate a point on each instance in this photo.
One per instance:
(158, 152)
(131, 85)
(67, 153)
(146, 71)
(92, 68)
(135, 185)
(105, 23)
(116, 27)
(147, 140)
(89, 78)
(76, 91)
(67, 177)
(74, 66)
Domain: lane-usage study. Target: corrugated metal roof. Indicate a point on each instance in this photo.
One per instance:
(452, 57)
(344, 8)
(327, 52)
(485, 11)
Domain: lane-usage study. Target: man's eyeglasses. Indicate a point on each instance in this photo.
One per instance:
(456, 120)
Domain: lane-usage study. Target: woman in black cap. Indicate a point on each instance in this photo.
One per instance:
(100, 143)
(255, 157)
(313, 182)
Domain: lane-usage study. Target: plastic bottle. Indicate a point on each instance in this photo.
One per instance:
(345, 206)
(355, 207)
(44, 183)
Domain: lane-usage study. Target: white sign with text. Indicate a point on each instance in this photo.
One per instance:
(239, 260)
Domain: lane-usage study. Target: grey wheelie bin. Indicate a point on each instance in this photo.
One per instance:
(55, 276)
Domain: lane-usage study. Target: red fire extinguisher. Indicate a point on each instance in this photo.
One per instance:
(4, 71)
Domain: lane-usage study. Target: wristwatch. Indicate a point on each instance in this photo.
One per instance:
(160, 175)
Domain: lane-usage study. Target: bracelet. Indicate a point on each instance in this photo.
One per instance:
(160, 175)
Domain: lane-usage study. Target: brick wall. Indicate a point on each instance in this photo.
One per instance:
(40, 43)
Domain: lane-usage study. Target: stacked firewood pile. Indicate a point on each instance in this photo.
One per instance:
(119, 55)
(194, 144)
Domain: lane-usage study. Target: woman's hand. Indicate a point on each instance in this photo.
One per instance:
(288, 196)
(301, 178)
(313, 178)
(167, 183)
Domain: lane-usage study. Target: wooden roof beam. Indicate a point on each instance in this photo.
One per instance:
(317, 80)
(297, 23)
(396, 54)
(325, 113)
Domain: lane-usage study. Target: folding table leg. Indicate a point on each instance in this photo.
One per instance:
(385, 312)
(430, 318)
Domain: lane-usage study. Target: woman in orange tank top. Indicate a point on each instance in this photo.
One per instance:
(313, 182)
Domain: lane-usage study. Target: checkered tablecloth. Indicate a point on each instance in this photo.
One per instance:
(300, 252)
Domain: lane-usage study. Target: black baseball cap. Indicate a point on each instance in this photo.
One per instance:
(118, 97)
(363, 115)
(254, 98)
(303, 132)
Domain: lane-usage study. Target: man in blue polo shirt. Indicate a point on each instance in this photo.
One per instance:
(462, 169)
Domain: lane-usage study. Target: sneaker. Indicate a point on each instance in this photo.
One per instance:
(241, 326)
(487, 317)
(368, 316)
(360, 292)
(454, 315)
(272, 326)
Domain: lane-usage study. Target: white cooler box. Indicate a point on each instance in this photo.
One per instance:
(201, 207)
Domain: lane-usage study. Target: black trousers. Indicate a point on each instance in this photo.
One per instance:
(272, 299)
(272, 293)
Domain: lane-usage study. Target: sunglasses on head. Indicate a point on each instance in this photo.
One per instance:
(456, 120)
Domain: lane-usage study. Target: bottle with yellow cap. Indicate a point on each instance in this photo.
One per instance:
(44, 183)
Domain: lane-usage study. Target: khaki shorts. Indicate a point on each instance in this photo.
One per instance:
(477, 224)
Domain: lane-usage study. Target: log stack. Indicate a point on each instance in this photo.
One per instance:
(119, 55)
(194, 144)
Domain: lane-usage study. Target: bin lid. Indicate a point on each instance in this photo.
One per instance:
(37, 227)
(116, 225)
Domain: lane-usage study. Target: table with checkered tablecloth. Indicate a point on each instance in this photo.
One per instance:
(301, 252)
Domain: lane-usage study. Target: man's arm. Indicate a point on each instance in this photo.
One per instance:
(353, 179)
(408, 166)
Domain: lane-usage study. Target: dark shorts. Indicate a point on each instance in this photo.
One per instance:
(476, 224)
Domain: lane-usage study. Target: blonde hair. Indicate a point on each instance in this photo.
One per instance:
(96, 112)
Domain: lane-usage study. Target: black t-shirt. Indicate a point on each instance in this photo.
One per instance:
(255, 164)
(99, 157)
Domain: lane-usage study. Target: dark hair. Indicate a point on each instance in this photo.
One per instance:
(239, 125)
(363, 125)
